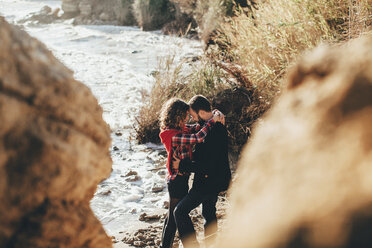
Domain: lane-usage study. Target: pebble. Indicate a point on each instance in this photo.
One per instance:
(145, 237)
(106, 192)
(166, 204)
(138, 243)
(133, 178)
(162, 172)
(131, 173)
(157, 188)
(145, 217)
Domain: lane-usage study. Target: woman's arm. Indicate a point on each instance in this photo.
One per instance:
(182, 139)
(187, 165)
(193, 128)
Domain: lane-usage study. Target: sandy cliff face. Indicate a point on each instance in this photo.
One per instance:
(305, 179)
(54, 149)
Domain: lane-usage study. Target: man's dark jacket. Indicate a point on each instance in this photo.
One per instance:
(210, 162)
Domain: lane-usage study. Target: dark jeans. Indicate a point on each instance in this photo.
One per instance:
(169, 228)
(177, 189)
(184, 224)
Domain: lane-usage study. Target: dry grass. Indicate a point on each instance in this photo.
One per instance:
(253, 49)
(177, 79)
(281, 30)
(359, 18)
(266, 45)
(257, 49)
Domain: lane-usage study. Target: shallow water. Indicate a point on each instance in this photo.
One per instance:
(116, 63)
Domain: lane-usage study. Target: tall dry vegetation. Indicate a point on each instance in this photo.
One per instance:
(180, 79)
(251, 51)
(265, 43)
(304, 180)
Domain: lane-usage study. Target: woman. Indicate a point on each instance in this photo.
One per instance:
(173, 118)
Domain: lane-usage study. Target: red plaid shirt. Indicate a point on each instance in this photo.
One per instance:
(182, 142)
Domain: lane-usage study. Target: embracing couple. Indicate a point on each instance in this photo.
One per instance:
(199, 148)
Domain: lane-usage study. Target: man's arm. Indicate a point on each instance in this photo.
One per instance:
(187, 165)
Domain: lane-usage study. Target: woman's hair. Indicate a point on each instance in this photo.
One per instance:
(172, 112)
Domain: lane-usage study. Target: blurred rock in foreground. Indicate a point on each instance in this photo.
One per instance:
(54, 149)
(305, 179)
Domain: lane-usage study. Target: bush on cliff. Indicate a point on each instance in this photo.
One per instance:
(207, 14)
(152, 14)
(126, 15)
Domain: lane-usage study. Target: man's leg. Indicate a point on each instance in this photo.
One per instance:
(181, 214)
(209, 214)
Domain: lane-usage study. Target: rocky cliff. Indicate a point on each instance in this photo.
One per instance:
(54, 149)
(305, 179)
(99, 12)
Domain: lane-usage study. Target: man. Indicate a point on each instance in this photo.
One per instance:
(212, 175)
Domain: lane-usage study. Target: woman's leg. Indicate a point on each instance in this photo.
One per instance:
(169, 228)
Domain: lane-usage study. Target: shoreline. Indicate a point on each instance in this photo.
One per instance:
(149, 234)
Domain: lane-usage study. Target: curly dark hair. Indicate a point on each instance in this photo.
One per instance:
(172, 112)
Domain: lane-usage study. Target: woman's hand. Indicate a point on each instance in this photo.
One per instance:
(218, 117)
(175, 162)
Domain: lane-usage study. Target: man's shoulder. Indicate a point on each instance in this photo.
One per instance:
(218, 131)
(219, 127)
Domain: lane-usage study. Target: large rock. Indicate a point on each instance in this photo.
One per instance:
(305, 179)
(85, 7)
(70, 7)
(54, 149)
(117, 12)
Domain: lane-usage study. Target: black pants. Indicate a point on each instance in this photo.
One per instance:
(177, 189)
(184, 224)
